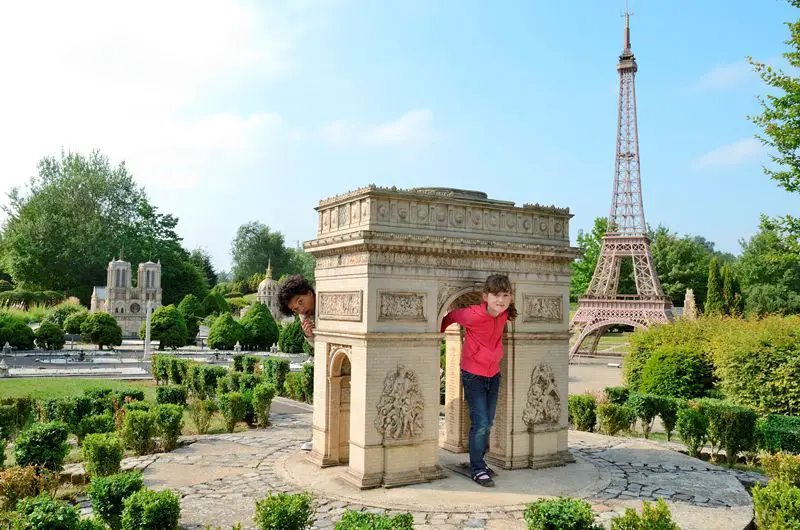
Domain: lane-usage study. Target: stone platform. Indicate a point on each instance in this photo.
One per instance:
(221, 476)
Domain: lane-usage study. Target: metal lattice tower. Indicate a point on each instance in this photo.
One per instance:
(626, 237)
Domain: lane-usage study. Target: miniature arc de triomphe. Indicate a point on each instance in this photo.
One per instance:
(390, 264)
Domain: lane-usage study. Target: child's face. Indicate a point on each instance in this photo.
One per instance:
(497, 303)
(302, 304)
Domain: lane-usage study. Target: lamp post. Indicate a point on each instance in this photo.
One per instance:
(147, 333)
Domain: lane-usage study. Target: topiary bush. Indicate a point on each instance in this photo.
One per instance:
(238, 362)
(260, 328)
(693, 428)
(617, 395)
(263, 395)
(782, 466)
(668, 412)
(69, 410)
(225, 333)
(232, 407)
(24, 410)
(307, 380)
(73, 323)
(167, 326)
(656, 517)
(612, 418)
(737, 431)
(99, 423)
(275, 371)
(101, 329)
(151, 510)
(18, 483)
(103, 454)
(293, 386)
(582, 411)
(779, 433)
(561, 513)
(138, 429)
(109, 493)
(160, 365)
(171, 395)
(777, 505)
(169, 424)
(354, 520)
(59, 314)
(645, 407)
(50, 337)
(16, 332)
(201, 412)
(44, 512)
(677, 371)
(291, 338)
(8, 422)
(284, 511)
(43, 445)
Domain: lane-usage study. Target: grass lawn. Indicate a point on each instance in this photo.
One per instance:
(45, 387)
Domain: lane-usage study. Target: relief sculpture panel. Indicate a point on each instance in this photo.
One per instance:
(401, 406)
(538, 308)
(401, 306)
(344, 305)
(544, 402)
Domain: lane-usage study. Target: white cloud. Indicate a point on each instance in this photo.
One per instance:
(725, 76)
(413, 129)
(735, 154)
(131, 79)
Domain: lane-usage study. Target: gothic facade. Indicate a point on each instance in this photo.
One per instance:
(126, 303)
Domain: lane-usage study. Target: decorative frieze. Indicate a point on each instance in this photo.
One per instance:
(542, 308)
(401, 406)
(342, 305)
(401, 306)
(544, 401)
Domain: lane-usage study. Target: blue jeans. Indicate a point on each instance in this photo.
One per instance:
(481, 395)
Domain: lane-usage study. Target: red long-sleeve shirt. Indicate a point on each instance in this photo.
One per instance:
(483, 343)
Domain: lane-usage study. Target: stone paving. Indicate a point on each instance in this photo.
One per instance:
(219, 478)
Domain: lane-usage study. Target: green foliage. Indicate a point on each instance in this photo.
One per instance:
(23, 410)
(354, 520)
(168, 424)
(645, 407)
(616, 394)
(263, 395)
(171, 394)
(582, 411)
(715, 304)
(8, 422)
(215, 304)
(612, 418)
(656, 517)
(138, 429)
(560, 514)
(201, 412)
(73, 323)
(5, 285)
(192, 311)
(109, 493)
(238, 362)
(225, 333)
(58, 315)
(284, 511)
(103, 454)
(253, 247)
(232, 407)
(39, 303)
(70, 410)
(166, 326)
(777, 505)
(202, 380)
(291, 338)
(151, 510)
(101, 329)
(681, 263)
(176, 369)
(779, 433)
(201, 259)
(668, 412)
(769, 269)
(764, 299)
(260, 327)
(44, 445)
(98, 423)
(160, 364)
(46, 513)
(18, 483)
(293, 386)
(50, 337)
(677, 371)
(275, 371)
(782, 466)
(307, 378)
(731, 293)
(16, 332)
(693, 429)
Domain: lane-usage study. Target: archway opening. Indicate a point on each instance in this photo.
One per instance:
(339, 409)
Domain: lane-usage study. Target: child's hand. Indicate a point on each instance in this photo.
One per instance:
(308, 327)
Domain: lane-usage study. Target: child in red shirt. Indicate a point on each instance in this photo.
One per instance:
(480, 365)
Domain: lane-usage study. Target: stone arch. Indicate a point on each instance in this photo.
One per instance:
(597, 329)
(339, 406)
(462, 297)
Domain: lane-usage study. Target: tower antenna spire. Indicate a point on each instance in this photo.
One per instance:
(628, 14)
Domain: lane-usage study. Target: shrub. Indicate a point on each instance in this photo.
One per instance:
(138, 429)
(238, 362)
(143, 406)
(44, 512)
(262, 402)
(307, 378)
(231, 405)
(171, 395)
(44, 445)
(353, 520)
(293, 386)
(192, 311)
(109, 493)
(249, 410)
(101, 400)
(103, 454)
(24, 407)
(50, 337)
(668, 412)
(160, 368)
(617, 395)
(693, 429)
(614, 418)
(779, 433)
(249, 381)
(59, 314)
(8, 422)
(70, 410)
(284, 511)
(130, 394)
(101, 329)
(645, 407)
(99, 423)
(782, 466)
(151, 510)
(169, 424)
(737, 431)
(291, 338)
(225, 333)
(260, 328)
(777, 505)
(677, 371)
(275, 371)
(582, 411)
(250, 362)
(167, 326)
(561, 513)
(16, 332)
(201, 411)
(18, 483)
(73, 323)
(656, 517)
(177, 368)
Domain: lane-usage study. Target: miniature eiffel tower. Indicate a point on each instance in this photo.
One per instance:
(626, 237)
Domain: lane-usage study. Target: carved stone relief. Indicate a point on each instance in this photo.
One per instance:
(401, 306)
(544, 401)
(538, 308)
(401, 406)
(345, 305)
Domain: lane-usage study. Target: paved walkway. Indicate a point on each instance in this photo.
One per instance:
(221, 476)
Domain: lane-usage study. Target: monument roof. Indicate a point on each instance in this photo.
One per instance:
(100, 293)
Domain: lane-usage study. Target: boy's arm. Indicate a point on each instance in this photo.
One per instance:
(457, 316)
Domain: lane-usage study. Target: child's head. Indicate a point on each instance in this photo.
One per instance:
(497, 294)
(296, 296)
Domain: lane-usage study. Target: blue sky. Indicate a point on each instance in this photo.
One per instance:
(229, 112)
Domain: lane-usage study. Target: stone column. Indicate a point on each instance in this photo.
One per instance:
(456, 414)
